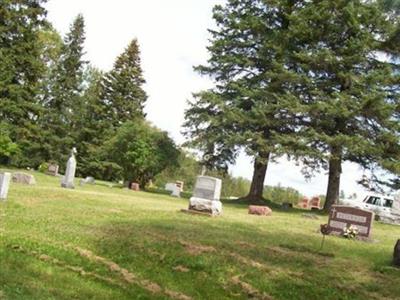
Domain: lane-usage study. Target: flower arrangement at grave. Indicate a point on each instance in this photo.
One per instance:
(350, 232)
(325, 230)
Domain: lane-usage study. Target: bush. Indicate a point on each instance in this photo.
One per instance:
(43, 167)
(142, 151)
(157, 190)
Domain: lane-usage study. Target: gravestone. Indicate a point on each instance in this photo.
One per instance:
(5, 179)
(303, 203)
(206, 195)
(135, 186)
(88, 179)
(315, 203)
(287, 205)
(23, 178)
(396, 254)
(179, 184)
(259, 210)
(68, 179)
(342, 216)
(174, 189)
(52, 170)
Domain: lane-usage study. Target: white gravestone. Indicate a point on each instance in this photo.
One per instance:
(174, 189)
(206, 195)
(5, 179)
(68, 179)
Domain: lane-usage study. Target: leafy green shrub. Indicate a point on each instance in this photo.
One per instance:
(157, 190)
(143, 151)
(186, 195)
(43, 167)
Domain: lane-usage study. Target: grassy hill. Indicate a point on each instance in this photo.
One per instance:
(97, 242)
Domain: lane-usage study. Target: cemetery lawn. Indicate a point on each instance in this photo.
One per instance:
(98, 242)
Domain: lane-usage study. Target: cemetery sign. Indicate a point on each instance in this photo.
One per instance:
(342, 216)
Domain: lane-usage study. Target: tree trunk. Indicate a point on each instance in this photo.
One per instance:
(257, 184)
(335, 170)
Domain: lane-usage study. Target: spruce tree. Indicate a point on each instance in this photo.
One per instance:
(65, 106)
(349, 88)
(251, 106)
(94, 129)
(20, 72)
(123, 93)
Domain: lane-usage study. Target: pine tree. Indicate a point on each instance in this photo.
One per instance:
(20, 72)
(123, 94)
(65, 105)
(349, 89)
(251, 106)
(93, 128)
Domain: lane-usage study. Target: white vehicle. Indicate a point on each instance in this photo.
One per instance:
(386, 208)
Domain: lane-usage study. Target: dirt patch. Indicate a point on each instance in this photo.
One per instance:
(248, 261)
(196, 249)
(251, 291)
(64, 265)
(176, 295)
(130, 277)
(115, 211)
(181, 269)
(245, 244)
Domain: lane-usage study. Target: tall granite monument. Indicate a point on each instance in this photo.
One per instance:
(68, 179)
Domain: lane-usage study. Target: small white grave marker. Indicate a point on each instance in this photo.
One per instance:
(5, 179)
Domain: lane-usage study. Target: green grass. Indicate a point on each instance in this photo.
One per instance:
(97, 242)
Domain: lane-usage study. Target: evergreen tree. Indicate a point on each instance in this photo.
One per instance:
(93, 128)
(20, 71)
(65, 106)
(123, 94)
(251, 106)
(349, 89)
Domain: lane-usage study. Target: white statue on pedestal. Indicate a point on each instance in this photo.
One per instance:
(68, 179)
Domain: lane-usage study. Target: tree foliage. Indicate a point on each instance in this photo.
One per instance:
(123, 93)
(64, 103)
(141, 150)
(251, 106)
(349, 89)
(20, 71)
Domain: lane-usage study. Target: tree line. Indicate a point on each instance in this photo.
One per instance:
(317, 81)
(51, 100)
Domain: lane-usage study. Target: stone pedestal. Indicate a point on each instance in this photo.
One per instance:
(396, 254)
(204, 205)
(259, 210)
(5, 179)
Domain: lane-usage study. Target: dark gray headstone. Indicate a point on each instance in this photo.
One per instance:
(396, 254)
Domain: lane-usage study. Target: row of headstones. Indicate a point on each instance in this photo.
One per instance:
(66, 182)
(6, 178)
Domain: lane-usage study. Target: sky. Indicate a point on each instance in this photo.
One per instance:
(173, 38)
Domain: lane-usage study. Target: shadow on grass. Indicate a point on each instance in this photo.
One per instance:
(277, 262)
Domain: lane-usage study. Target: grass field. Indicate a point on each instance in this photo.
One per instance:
(97, 242)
